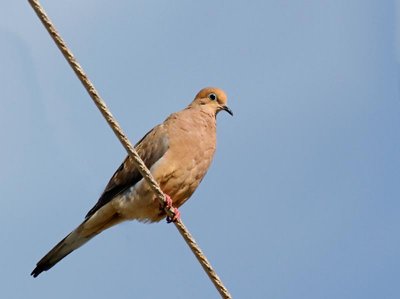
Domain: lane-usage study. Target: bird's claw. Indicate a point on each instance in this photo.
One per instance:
(168, 205)
(176, 217)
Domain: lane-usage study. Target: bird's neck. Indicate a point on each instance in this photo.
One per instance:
(203, 110)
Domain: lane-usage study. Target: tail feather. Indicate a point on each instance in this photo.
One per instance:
(71, 242)
(101, 220)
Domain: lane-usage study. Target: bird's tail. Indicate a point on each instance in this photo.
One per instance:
(78, 237)
(71, 242)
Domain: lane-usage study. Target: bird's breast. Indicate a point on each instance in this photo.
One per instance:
(185, 164)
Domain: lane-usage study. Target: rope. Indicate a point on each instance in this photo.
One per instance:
(101, 105)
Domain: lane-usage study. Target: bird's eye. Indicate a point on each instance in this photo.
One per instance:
(212, 96)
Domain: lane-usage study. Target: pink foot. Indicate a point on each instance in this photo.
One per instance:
(168, 204)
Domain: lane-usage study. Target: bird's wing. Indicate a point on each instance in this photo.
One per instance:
(150, 148)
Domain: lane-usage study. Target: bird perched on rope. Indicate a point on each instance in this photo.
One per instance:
(177, 152)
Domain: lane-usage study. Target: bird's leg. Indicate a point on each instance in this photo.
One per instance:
(168, 204)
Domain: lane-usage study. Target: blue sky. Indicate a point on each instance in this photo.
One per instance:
(302, 199)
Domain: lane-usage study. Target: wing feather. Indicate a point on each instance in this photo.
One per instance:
(150, 148)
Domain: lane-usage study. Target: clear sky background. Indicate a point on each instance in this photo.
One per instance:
(303, 197)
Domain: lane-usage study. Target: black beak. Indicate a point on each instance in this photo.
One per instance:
(227, 109)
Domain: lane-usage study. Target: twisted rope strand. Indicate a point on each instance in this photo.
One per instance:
(101, 105)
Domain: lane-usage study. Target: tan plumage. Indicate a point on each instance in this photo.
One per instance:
(178, 153)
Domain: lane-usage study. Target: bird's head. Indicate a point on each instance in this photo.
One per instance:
(211, 99)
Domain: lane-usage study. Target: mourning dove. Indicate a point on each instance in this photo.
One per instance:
(177, 152)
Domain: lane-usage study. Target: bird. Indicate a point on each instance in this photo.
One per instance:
(178, 153)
